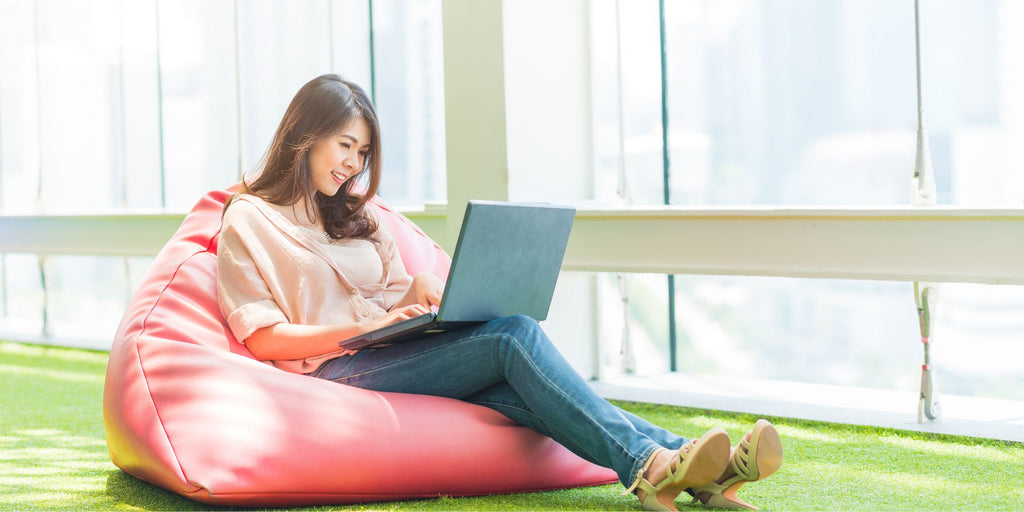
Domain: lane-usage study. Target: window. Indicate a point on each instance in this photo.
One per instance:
(791, 104)
(110, 106)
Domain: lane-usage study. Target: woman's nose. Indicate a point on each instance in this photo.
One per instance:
(351, 161)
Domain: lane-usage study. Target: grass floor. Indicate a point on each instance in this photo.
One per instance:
(53, 456)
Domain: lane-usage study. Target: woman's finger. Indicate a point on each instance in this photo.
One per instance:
(414, 310)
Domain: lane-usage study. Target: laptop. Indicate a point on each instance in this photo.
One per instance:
(506, 262)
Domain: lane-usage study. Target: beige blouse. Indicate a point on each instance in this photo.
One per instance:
(272, 269)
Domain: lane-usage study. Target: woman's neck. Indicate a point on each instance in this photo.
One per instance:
(298, 214)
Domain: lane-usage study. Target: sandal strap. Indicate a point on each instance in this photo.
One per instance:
(640, 481)
(670, 472)
(741, 459)
(679, 459)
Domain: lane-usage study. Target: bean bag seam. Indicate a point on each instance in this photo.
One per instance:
(142, 367)
(156, 410)
(209, 245)
(402, 496)
(156, 302)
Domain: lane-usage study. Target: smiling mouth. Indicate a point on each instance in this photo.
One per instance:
(339, 177)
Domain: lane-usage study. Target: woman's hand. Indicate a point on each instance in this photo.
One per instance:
(426, 290)
(398, 314)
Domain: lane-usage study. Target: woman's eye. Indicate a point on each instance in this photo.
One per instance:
(345, 145)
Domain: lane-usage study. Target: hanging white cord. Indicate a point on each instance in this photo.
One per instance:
(922, 191)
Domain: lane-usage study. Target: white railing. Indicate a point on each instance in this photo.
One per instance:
(940, 244)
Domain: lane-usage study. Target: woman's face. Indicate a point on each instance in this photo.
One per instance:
(339, 157)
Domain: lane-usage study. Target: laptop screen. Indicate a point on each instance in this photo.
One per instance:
(506, 261)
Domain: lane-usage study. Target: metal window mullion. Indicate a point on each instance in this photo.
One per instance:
(238, 90)
(628, 359)
(47, 331)
(160, 109)
(1, 153)
(39, 108)
(40, 259)
(373, 58)
(4, 311)
(665, 175)
(3, 255)
(330, 34)
(123, 199)
(622, 188)
(122, 193)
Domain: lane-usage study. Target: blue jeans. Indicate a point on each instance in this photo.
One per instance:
(511, 366)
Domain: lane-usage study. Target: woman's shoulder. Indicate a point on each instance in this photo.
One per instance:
(245, 208)
(243, 198)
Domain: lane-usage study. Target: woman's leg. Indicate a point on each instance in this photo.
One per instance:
(515, 350)
(502, 398)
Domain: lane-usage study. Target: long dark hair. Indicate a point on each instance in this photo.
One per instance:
(319, 110)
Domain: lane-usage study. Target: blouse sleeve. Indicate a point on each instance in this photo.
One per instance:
(243, 295)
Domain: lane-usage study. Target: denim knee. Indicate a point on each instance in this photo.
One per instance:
(521, 327)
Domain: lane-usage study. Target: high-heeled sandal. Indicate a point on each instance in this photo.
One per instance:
(753, 459)
(697, 463)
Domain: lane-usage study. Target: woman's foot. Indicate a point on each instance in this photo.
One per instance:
(755, 458)
(695, 464)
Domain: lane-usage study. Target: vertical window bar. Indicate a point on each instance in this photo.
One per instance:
(129, 289)
(373, 58)
(39, 110)
(238, 89)
(47, 331)
(330, 32)
(123, 134)
(628, 358)
(39, 183)
(3, 288)
(122, 183)
(622, 188)
(667, 197)
(3, 256)
(1, 154)
(160, 109)
(3, 285)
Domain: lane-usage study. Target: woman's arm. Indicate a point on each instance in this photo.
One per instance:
(284, 341)
(426, 290)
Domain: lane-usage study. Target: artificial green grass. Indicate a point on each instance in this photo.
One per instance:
(53, 456)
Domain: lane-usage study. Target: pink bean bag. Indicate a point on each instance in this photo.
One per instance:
(188, 408)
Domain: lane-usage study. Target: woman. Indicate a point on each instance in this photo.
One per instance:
(303, 264)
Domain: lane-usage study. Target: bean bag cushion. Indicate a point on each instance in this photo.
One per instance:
(188, 408)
